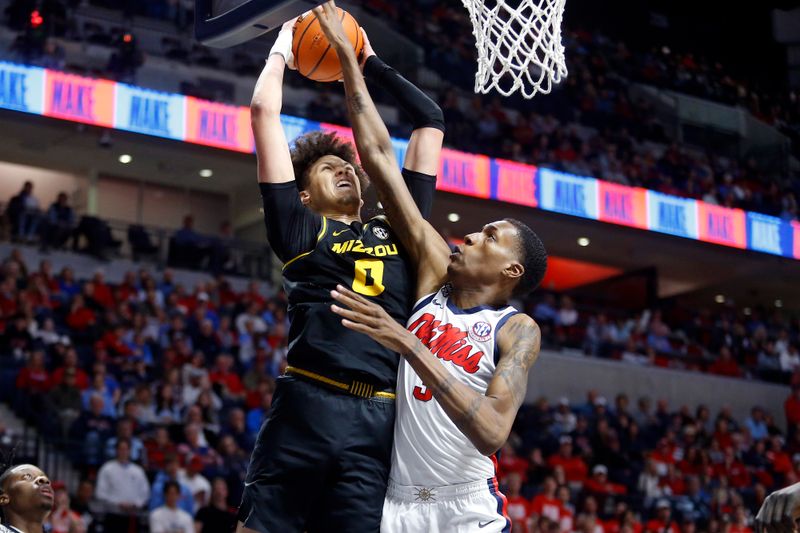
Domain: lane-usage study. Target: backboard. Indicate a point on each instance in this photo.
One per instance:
(225, 23)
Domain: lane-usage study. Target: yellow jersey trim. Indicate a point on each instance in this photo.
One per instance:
(320, 235)
(356, 388)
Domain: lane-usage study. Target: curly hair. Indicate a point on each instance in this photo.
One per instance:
(310, 147)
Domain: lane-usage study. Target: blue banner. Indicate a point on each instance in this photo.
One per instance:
(671, 214)
(567, 193)
(150, 112)
(21, 88)
(769, 234)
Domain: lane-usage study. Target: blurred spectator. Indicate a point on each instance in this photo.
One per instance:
(217, 515)
(23, 214)
(63, 519)
(171, 474)
(546, 504)
(169, 518)
(663, 521)
(573, 466)
(725, 365)
(125, 432)
(123, 487)
(59, 222)
(197, 483)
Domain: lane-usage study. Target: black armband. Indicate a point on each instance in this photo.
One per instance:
(421, 109)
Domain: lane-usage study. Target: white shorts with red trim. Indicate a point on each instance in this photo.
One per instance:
(477, 507)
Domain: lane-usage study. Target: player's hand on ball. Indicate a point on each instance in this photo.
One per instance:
(328, 18)
(778, 512)
(370, 319)
(367, 51)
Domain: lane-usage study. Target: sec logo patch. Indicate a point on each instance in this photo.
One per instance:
(380, 233)
(481, 331)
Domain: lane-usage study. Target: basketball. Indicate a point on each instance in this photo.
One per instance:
(313, 55)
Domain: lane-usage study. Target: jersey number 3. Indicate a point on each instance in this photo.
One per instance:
(422, 394)
(368, 279)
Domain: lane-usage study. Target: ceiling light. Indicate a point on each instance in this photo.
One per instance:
(583, 241)
(778, 303)
(125, 159)
(453, 217)
(747, 311)
(206, 173)
(720, 299)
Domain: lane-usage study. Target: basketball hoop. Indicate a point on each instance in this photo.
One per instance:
(519, 45)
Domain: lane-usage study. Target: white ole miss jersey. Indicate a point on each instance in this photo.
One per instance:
(428, 447)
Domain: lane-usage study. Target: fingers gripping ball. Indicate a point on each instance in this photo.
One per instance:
(314, 57)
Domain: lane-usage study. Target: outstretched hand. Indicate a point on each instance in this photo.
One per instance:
(367, 52)
(331, 25)
(371, 319)
(777, 513)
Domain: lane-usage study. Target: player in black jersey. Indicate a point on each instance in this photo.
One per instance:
(321, 460)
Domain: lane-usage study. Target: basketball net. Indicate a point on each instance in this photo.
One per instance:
(519, 48)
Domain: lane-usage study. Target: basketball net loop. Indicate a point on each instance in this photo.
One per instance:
(519, 48)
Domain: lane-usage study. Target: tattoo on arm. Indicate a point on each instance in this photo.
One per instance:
(513, 367)
(474, 406)
(445, 387)
(356, 103)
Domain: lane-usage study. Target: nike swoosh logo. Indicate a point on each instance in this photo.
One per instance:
(337, 233)
(484, 524)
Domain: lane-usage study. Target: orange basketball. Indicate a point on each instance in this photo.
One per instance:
(313, 55)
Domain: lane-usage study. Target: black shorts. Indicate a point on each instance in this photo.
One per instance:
(320, 463)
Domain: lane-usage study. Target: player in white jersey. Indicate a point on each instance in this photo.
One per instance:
(26, 498)
(466, 359)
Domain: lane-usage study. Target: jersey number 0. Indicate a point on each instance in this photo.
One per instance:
(368, 279)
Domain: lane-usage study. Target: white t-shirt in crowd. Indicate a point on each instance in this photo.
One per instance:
(166, 520)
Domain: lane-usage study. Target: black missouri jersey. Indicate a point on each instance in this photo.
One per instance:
(366, 258)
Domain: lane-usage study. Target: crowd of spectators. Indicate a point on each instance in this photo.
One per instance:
(590, 125)
(23, 220)
(753, 343)
(156, 392)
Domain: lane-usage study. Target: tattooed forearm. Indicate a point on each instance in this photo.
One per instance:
(443, 388)
(465, 420)
(356, 102)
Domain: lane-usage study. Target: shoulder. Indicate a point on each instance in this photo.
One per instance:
(519, 335)
(519, 326)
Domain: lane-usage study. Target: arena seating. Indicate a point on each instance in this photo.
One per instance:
(592, 125)
(186, 374)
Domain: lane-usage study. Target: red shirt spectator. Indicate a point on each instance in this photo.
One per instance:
(663, 521)
(70, 362)
(547, 503)
(733, 470)
(34, 377)
(599, 483)
(510, 462)
(518, 507)
(112, 341)
(725, 365)
(574, 468)
(102, 292)
(229, 381)
(80, 317)
(792, 407)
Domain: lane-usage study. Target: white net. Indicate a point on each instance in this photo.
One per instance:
(519, 45)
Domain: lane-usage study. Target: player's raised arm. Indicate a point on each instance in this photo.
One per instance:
(426, 247)
(485, 419)
(272, 150)
(424, 150)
